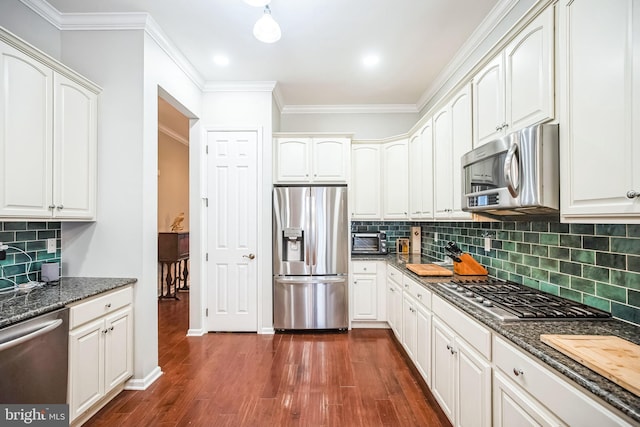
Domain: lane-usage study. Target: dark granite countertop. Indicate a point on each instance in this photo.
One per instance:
(526, 335)
(25, 304)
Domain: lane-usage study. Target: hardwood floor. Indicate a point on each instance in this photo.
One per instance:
(306, 379)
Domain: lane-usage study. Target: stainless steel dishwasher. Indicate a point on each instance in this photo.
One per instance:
(34, 359)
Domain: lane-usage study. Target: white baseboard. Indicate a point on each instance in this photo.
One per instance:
(143, 383)
(267, 331)
(370, 324)
(196, 332)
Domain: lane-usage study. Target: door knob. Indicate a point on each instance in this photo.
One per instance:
(250, 256)
(633, 194)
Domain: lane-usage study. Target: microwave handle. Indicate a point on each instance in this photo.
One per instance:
(513, 189)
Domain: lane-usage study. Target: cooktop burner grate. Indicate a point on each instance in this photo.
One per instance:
(512, 301)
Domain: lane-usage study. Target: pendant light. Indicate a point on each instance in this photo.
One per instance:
(267, 29)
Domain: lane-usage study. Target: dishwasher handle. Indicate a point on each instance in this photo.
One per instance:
(39, 330)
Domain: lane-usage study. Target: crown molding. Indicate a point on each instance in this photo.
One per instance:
(351, 109)
(486, 27)
(115, 22)
(239, 86)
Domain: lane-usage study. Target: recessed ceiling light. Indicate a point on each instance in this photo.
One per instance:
(221, 60)
(371, 60)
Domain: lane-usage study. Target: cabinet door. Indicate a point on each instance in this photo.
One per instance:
(423, 344)
(365, 182)
(421, 173)
(409, 325)
(473, 387)
(26, 139)
(600, 133)
(514, 407)
(330, 160)
(395, 176)
(461, 143)
(416, 170)
(86, 366)
(443, 370)
(293, 160)
(75, 145)
(529, 74)
(391, 317)
(365, 297)
(442, 163)
(488, 102)
(118, 348)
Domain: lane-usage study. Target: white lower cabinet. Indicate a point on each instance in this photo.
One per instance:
(461, 371)
(528, 393)
(394, 301)
(100, 350)
(368, 291)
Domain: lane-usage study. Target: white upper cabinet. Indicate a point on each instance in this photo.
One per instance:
(451, 139)
(365, 188)
(312, 159)
(395, 179)
(49, 141)
(599, 101)
(516, 89)
(421, 172)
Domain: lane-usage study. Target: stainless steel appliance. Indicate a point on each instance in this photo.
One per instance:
(33, 360)
(509, 301)
(310, 258)
(514, 177)
(369, 243)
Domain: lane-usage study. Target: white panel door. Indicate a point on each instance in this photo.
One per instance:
(118, 348)
(293, 160)
(232, 235)
(366, 190)
(442, 163)
(26, 136)
(86, 377)
(395, 180)
(473, 401)
(443, 370)
(461, 143)
(330, 160)
(365, 297)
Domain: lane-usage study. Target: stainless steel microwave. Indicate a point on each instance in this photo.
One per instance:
(514, 177)
(369, 243)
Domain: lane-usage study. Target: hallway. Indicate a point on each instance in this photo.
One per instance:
(239, 379)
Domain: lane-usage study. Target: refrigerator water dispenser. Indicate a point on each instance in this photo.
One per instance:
(293, 244)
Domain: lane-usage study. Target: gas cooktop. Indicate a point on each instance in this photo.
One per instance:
(509, 301)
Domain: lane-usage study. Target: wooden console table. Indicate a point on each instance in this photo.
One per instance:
(173, 256)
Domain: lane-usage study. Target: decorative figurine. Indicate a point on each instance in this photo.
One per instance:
(176, 225)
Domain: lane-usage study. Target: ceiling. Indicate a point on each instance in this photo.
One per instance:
(318, 60)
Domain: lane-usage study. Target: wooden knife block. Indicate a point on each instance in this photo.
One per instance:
(468, 267)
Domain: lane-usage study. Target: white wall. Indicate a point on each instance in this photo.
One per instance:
(29, 26)
(245, 110)
(362, 126)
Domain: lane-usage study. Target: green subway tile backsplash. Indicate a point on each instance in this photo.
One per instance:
(30, 237)
(596, 264)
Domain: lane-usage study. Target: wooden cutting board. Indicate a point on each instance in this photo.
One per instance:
(429, 270)
(610, 356)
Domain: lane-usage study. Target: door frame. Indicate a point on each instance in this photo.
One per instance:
(263, 256)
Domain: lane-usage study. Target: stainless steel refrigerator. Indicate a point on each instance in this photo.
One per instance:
(310, 258)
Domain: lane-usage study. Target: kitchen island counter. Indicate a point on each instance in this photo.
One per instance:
(525, 334)
(21, 305)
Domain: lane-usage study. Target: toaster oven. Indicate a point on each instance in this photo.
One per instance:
(369, 243)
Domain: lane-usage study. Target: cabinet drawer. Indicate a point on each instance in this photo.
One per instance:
(416, 290)
(566, 401)
(364, 267)
(468, 329)
(394, 275)
(98, 306)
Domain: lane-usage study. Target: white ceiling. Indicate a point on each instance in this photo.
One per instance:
(318, 61)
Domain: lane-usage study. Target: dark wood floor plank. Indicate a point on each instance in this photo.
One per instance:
(354, 379)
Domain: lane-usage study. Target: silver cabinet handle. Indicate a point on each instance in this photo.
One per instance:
(631, 194)
(107, 305)
(450, 348)
(52, 207)
(517, 372)
(498, 128)
(111, 328)
(419, 296)
(60, 207)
